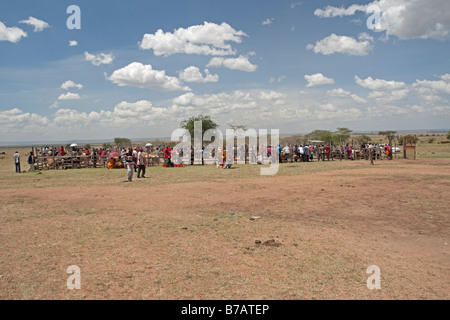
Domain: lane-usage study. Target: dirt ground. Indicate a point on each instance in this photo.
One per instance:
(292, 237)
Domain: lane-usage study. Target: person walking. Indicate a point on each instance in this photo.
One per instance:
(31, 161)
(141, 164)
(16, 158)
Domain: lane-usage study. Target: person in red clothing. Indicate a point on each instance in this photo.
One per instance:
(167, 155)
(327, 151)
(61, 151)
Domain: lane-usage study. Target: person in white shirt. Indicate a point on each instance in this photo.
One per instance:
(16, 158)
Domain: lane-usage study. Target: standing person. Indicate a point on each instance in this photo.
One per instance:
(371, 153)
(16, 157)
(349, 152)
(94, 157)
(327, 150)
(129, 164)
(31, 161)
(141, 164)
(135, 155)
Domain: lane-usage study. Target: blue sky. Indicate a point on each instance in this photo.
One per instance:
(138, 68)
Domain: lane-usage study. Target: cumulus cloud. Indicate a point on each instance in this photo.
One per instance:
(241, 63)
(206, 39)
(380, 84)
(69, 96)
(317, 79)
(343, 44)
(73, 43)
(38, 25)
(193, 74)
(11, 34)
(70, 84)
(139, 75)
(331, 11)
(404, 19)
(341, 93)
(240, 101)
(17, 121)
(442, 85)
(99, 59)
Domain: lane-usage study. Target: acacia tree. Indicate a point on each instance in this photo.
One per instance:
(122, 142)
(342, 135)
(207, 124)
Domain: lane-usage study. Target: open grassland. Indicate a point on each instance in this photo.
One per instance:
(198, 232)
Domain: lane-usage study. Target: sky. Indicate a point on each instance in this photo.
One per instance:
(93, 70)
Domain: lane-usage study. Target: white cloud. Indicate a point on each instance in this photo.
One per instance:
(389, 95)
(267, 22)
(317, 79)
(99, 59)
(11, 34)
(343, 44)
(73, 43)
(383, 111)
(70, 84)
(139, 75)
(442, 85)
(19, 122)
(193, 74)
(295, 4)
(206, 39)
(358, 99)
(241, 63)
(243, 102)
(69, 96)
(380, 84)
(404, 19)
(341, 93)
(331, 11)
(38, 25)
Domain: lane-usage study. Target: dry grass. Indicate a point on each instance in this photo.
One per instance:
(187, 233)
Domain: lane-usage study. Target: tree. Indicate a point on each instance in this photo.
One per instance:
(323, 135)
(207, 124)
(448, 135)
(343, 134)
(107, 145)
(363, 139)
(122, 142)
(390, 135)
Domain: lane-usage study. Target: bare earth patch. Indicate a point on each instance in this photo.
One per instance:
(306, 235)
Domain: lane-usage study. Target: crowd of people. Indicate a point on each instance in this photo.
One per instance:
(135, 161)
